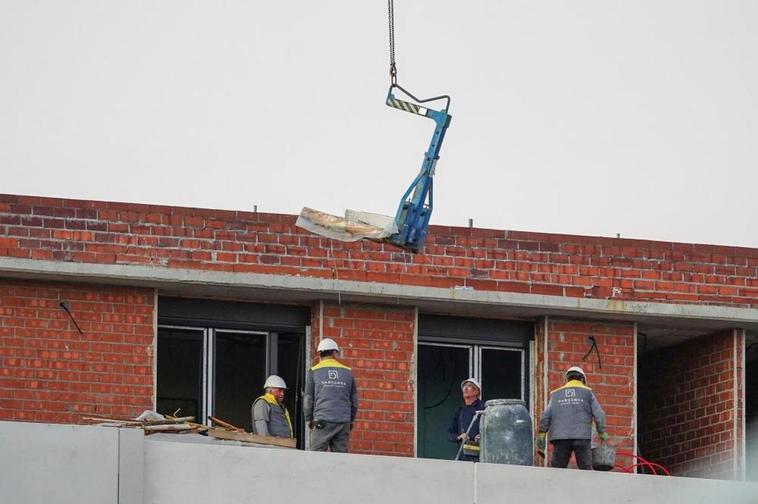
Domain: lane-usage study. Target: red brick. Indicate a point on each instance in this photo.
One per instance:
(52, 379)
(378, 343)
(695, 381)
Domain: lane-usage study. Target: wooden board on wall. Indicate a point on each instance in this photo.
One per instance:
(252, 438)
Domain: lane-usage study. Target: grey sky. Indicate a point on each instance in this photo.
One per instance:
(590, 117)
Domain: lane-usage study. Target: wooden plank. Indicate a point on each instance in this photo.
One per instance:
(225, 424)
(171, 420)
(168, 427)
(252, 438)
(199, 427)
(112, 420)
(133, 422)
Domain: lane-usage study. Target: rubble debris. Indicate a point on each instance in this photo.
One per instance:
(151, 422)
(150, 415)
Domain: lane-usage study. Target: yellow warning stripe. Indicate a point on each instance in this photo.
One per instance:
(403, 105)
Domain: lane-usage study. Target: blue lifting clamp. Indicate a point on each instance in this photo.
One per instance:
(415, 209)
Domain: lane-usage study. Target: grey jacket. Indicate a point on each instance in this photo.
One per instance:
(330, 393)
(270, 418)
(570, 412)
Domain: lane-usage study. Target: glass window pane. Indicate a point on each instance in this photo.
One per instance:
(501, 374)
(240, 371)
(290, 366)
(180, 371)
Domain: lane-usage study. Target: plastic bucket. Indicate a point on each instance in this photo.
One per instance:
(603, 457)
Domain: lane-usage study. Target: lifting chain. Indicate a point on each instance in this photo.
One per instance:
(391, 17)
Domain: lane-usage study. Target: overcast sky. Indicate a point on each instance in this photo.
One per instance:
(584, 117)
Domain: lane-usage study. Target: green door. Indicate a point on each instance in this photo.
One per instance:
(441, 369)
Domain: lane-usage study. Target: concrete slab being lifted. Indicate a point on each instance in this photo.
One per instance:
(352, 227)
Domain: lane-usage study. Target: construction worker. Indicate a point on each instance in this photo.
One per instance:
(330, 402)
(459, 424)
(270, 416)
(568, 417)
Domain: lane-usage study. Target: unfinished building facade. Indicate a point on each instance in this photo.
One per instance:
(114, 308)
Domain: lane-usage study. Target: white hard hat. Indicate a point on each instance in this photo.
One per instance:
(327, 344)
(576, 369)
(274, 381)
(472, 381)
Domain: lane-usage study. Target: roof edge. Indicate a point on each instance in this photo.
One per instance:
(448, 300)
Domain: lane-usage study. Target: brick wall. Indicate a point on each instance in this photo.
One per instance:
(687, 406)
(612, 381)
(484, 259)
(51, 373)
(377, 343)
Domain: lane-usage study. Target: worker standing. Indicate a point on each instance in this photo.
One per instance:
(270, 416)
(330, 402)
(459, 424)
(568, 417)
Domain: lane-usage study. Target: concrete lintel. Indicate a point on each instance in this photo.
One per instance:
(455, 301)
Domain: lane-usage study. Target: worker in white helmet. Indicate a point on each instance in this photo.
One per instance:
(568, 417)
(330, 402)
(270, 416)
(461, 421)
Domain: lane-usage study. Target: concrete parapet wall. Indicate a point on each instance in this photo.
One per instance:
(45, 463)
(62, 464)
(187, 473)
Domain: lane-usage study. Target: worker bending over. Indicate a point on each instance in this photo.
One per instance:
(270, 416)
(330, 402)
(568, 417)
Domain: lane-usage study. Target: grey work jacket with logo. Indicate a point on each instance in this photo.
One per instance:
(570, 412)
(330, 393)
(269, 419)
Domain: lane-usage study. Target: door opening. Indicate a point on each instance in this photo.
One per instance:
(205, 372)
(441, 369)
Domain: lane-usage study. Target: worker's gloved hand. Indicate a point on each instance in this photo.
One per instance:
(540, 441)
(462, 436)
(477, 437)
(603, 436)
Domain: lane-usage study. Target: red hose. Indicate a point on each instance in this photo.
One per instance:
(641, 462)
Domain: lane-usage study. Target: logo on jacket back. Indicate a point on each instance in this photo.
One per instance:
(569, 397)
(333, 379)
